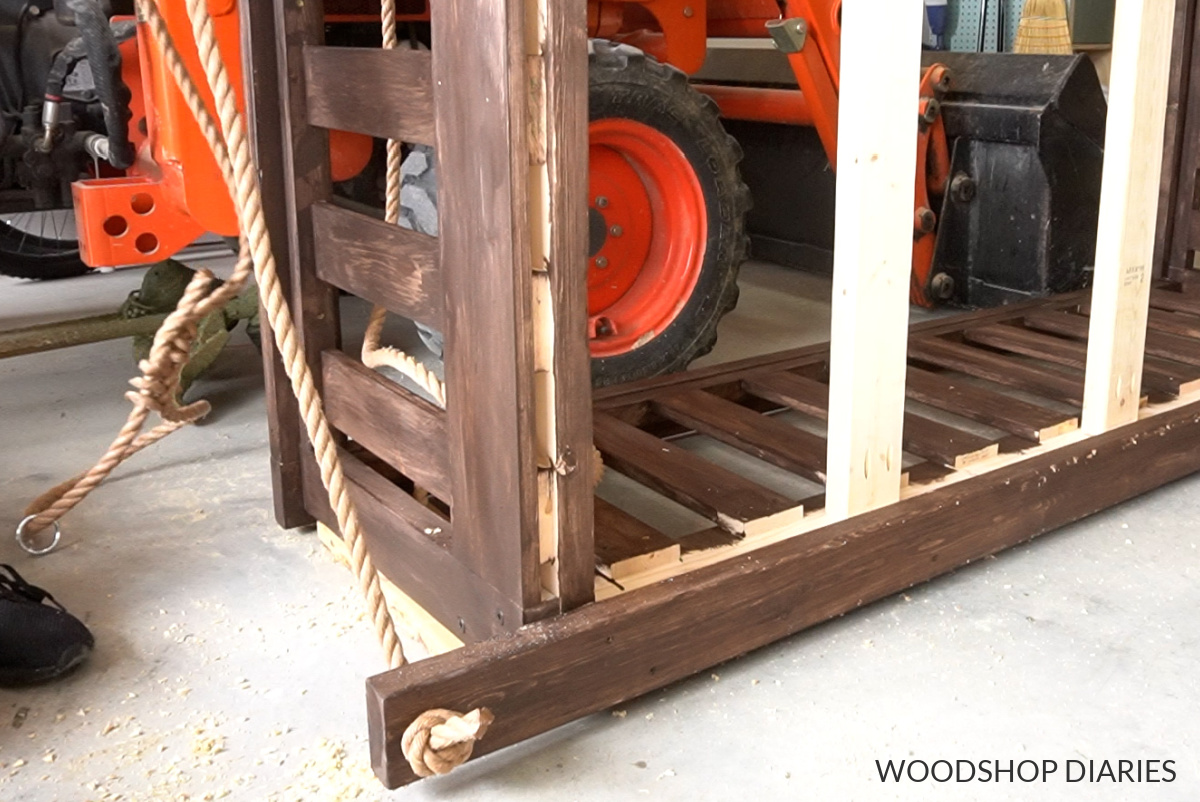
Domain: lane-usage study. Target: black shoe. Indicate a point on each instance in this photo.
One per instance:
(38, 642)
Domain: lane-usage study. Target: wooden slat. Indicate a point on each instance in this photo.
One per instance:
(368, 90)
(284, 428)
(1179, 323)
(565, 52)
(728, 374)
(1171, 301)
(407, 432)
(394, 525)
(1000, 369)
(872, 254)
(921, 436)
(626, 545)
(990, 408)
(721, 495)
(481, 112)
(1157, 374)
(1133, 150)
(778, 443)
(389, 265)
(619, 649)
(1158, 343)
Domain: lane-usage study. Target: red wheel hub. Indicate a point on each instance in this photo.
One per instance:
(649, 231)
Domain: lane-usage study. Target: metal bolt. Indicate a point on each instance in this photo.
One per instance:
(616, 231)
(601, 202)
(932, 110)
(601, 262)
(500, 616)
(688, 12)
(942, 286)
(462, 625)
(962, 188)
(925, 220)
(604, 327)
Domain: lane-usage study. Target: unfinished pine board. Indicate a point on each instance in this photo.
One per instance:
(988, 407)
(626, 545)
(396, 103)
(778, 443)
(1053, 384)
(736, 503)
(872, 256)
(1133, 149)
(921, 436)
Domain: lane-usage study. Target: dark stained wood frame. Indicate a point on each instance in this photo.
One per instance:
(479, 575)
(540, 660)
(1178, 228)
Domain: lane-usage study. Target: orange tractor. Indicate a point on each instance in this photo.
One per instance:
(696, 106)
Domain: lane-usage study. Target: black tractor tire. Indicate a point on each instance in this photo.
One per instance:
(626, 83)
(25, 255)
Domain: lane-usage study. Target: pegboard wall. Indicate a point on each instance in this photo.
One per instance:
(962, 24)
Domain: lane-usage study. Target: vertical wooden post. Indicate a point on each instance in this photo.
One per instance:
(872, 258)
(305, 151)
(285, 429)
(1133, 149)
(562, 59)
(480, 98)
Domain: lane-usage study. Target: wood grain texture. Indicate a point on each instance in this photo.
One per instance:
(1172, 301)
(404, 430)
(721, 495)
(314, 303)
(626, 545)
(369, 90)
(1178, 232)
(768, 439)
(990, 408)
(1133, 150)
(285, 430)
(718, 376)
(394, 525)
(921, 436)
(1157, 375)
(559, 670)
(566, 60)
(1158, 343)
(480, 113)
(389, 265)
(1052, 384)
(872, 254)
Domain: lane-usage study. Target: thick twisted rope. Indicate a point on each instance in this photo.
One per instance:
(374, 355)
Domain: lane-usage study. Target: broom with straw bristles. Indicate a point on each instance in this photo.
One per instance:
(1043, 28)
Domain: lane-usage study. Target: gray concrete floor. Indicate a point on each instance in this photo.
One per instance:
(231, 655)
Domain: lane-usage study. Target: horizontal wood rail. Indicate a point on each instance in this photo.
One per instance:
(388, 265)
(367, 90)
(403, 430)
(559, 670)
(395, 527)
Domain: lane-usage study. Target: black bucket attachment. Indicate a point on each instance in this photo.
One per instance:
(1026, 135)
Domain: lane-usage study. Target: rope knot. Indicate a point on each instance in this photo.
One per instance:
(440, 740)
